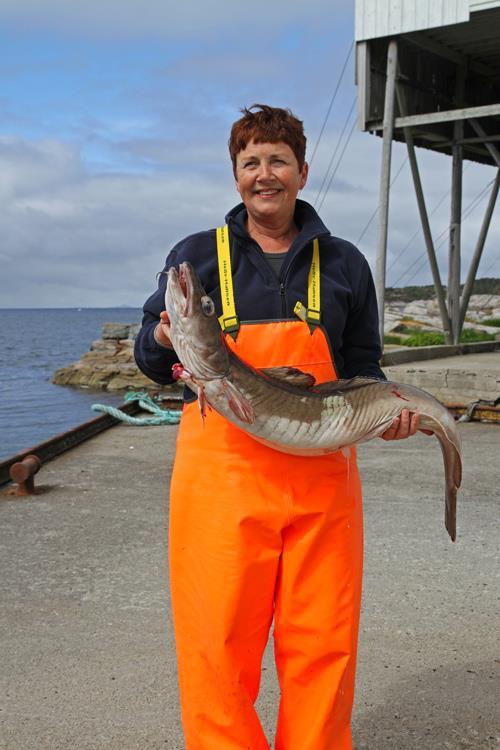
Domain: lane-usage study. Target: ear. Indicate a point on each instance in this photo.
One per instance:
(303, 175)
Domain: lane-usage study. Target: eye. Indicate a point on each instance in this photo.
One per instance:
(207, 306)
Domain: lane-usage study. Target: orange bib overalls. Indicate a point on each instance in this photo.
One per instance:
(256, 534)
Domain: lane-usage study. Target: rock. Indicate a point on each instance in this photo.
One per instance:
(102, 346)
(115, 331)
(134, 330)
(110, 364)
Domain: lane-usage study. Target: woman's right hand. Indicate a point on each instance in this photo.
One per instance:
(162, 331)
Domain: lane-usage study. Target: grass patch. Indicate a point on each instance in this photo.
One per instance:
(491, 322)
(472, 335)
(390, 339)
(425, 339)
(436, 339)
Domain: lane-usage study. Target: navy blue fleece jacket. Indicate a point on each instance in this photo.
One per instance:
(348, 304)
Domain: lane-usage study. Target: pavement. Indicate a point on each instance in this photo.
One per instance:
(87, 652)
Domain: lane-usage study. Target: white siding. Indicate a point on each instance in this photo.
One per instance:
(377, 18)
(483, 5)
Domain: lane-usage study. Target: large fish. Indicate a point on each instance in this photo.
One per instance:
(282, 406)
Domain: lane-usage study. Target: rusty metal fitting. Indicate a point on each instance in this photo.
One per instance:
(23, 472)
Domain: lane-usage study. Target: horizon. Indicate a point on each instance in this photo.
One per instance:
(113, 142)
(139, 307)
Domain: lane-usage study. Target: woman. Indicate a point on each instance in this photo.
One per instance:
(256, 534)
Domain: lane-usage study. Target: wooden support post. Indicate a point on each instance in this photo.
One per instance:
(431, 252)
(493, 150)
(471, 276)
(456, 215)
(385, 180)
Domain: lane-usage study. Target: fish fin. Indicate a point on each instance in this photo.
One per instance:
(239, 405)
(202, 403)
(344, 386)
(290, 375)
(346, 451)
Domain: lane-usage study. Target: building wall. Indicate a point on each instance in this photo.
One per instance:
(378, 18)
(476, 5)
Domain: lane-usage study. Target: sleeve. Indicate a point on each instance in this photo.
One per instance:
(153, 359)
(361, 346)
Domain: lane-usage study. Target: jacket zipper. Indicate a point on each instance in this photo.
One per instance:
(284, 311)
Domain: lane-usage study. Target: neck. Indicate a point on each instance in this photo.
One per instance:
(272, 238)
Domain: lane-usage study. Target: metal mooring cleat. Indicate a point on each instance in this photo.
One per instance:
(23, 472)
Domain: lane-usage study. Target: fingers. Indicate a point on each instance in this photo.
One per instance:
(403, 426)
(162, 330)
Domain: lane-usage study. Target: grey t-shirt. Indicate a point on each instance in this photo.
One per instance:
(275, 260)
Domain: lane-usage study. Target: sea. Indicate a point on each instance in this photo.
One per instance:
(34, 343)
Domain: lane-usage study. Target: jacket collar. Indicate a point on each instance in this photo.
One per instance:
(306, 219)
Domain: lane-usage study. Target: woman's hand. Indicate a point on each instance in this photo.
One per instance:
(404, 426)
(162, 331)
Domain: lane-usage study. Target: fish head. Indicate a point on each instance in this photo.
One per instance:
(195, 331)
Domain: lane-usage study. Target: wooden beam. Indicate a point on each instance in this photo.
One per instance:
(431, 252)
(467, 141)
(363, 82)
(429, 44)
(385, 180)
(456, 214)
(471, 276)
(493, 151)
(432, 118)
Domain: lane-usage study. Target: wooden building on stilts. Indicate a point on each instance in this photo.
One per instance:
(428, 74)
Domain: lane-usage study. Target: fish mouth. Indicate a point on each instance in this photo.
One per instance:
(182, 282)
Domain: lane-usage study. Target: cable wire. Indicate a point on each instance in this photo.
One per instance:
(339, 140)
(404, 162)
(398, 256)
(338, 163)
(339, 81)
(470, 208)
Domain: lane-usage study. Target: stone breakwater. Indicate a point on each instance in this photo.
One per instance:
(424, 315)
(110, 363)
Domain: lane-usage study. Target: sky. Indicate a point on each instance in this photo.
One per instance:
(114, 121)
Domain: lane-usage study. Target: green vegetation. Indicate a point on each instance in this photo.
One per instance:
(431, 338)
(411, 293)
(491, 322)
(435, 338)
(472, 335)
(390, 339)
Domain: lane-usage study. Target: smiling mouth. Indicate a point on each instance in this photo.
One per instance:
(268, 192)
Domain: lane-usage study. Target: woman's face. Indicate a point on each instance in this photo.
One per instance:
(268, 179)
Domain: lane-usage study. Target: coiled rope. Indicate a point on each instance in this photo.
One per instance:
(161, 416)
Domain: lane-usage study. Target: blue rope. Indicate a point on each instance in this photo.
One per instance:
(161, 416)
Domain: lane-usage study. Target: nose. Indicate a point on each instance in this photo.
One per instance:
(265, 171)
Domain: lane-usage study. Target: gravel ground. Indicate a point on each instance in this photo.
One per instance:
(87, 650)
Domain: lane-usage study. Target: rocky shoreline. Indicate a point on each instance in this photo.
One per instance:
(110, 364)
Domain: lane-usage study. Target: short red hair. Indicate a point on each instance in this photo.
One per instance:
(267, 125)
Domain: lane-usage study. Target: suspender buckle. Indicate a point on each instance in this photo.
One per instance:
(230, 324)
(314, 316)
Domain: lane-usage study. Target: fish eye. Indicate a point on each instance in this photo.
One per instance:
(207, 306)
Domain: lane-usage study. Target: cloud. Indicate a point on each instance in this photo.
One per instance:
(71, 237)
(168, 19)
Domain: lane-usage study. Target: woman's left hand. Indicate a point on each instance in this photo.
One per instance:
(403, 426)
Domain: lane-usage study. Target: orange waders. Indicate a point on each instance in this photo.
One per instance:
(256, 533)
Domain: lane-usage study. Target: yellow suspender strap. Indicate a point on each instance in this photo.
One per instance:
(229, 321)
(312, 314)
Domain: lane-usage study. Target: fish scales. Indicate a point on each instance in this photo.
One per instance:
(283, 407)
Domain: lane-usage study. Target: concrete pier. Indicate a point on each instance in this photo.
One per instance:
(87, 653)
(451, 379)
